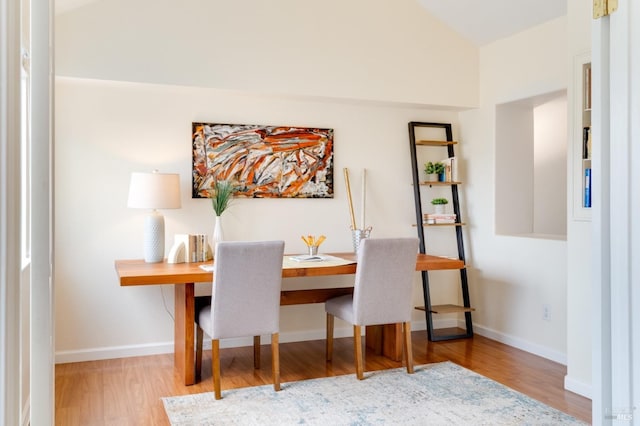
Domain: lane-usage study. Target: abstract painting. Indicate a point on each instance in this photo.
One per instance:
(263, 161)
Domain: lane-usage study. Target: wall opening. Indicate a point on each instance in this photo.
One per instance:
(531, 166)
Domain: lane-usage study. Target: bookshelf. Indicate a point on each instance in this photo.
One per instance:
(580, 139)
(586, 135)
(440, 145)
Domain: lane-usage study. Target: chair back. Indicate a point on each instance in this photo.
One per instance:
(383, 290)
(247, 280)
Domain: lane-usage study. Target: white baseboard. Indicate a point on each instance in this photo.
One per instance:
(576, 386)
(96, 354)
(519, 343)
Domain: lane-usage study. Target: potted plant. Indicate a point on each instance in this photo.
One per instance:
(433, 170)
(439, 204)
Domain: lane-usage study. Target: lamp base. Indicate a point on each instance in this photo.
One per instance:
(154, 237)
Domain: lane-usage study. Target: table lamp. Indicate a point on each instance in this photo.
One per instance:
(154, 191)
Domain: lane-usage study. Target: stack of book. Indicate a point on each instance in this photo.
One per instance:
(436, 218)
(196, 247)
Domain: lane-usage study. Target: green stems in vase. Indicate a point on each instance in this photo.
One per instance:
(221, 197)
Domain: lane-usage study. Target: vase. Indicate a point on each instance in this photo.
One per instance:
(218, 234)
(439, 208)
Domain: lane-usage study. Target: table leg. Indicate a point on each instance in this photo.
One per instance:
(373, 338)
(386, 340)
(183, 343)
(392, 341)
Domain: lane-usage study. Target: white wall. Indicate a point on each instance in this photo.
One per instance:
(361, 49)
(579, 231)
(550, 168)
(531, 166)
(405, 62)
(513, 277)
(514, 165)
(106, 130)
(363, 68)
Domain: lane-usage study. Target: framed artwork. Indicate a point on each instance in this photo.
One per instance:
(263, 161)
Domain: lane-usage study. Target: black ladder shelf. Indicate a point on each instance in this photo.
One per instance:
(430, 310)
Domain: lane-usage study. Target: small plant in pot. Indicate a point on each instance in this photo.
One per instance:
(433, 170)
(439, 204)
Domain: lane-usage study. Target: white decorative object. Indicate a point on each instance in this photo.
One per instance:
(154, 191)
(439, 208)
(218, 234)
(358, 235)
(176, 254)
(190, 248)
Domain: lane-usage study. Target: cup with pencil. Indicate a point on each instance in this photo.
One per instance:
(358, 234)
(313, 243)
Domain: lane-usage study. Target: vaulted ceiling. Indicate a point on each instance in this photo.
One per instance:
(484, 21)
(480, 21)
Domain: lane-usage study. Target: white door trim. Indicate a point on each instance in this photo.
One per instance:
(9, 212)
(616, 310)
(42, 292)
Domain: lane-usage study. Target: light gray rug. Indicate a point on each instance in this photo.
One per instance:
(436, 394)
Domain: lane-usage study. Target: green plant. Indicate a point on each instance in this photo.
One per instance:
(429, 168)
(437, 201)
(433, 168)
(222, 193)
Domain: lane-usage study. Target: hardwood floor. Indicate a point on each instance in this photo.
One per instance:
(127, 391)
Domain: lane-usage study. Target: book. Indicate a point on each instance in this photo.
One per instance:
(196, 247)
(587, 187)
(586, 143)
(440, 216)
(308, 258)
(435, 218)
(450, 169)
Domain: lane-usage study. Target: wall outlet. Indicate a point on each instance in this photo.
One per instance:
(546, 312)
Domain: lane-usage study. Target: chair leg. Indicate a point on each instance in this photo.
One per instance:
(357, 345)
(199, 339)
(256, 352)
(408, 350)
(215, 367)
(275, 360)
(329, 345)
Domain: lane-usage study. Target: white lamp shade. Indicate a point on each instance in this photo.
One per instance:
(154, 191)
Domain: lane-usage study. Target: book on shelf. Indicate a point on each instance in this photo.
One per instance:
(450, 169)
(587, 187)
(436, 218)
(586, 143)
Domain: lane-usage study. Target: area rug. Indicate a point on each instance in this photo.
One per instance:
(436, 394)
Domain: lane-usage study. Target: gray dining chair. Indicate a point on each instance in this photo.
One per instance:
(382, 294)
(245, 301)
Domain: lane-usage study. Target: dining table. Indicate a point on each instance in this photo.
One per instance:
(386, 339)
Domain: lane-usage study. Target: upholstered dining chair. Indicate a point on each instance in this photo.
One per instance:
(245, 301)
(382, 294)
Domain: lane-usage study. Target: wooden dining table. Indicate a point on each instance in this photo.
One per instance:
(183, 276)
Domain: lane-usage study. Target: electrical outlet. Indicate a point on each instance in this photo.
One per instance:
(546, 312)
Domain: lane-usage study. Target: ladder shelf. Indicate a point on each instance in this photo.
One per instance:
(465, 308)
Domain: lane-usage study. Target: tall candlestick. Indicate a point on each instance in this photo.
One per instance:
(364, 193)
(348, 187)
